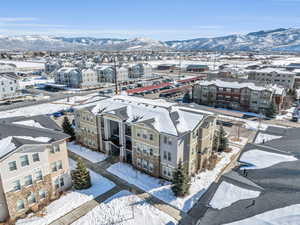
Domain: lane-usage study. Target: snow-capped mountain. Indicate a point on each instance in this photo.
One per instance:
(272, 40)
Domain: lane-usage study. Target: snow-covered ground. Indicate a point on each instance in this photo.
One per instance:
(86, 153)
(284, 216)
(124, 208)
(70, 200)
(262, 137)
(227, 194)
(163, 191)
(261, 159)
(287, 114)
(32, 81)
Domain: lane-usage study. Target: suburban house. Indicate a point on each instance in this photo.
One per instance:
(8, 85)
(236, 95)
(34, 167)
(152, 135)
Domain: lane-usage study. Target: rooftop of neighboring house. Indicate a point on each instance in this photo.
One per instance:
(15, 132)
(67, 69)
(239, 85)
(267, 178)
(164, 116)
(272, 70)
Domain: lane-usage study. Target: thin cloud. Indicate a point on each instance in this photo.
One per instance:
(17, 19)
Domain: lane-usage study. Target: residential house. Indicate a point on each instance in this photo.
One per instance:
(9, 85)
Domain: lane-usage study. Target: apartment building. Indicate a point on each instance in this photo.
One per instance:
(9, 85)
(69, 76)
(140, 70)
(34, 167)
(273, 76)
(244, 96)
(152, 135)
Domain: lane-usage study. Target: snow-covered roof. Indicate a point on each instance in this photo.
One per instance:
(165, 117)
(272, 70)
(66, 69)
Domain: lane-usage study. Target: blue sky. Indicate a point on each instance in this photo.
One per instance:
(158, 19)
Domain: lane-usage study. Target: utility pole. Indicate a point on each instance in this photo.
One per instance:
(116, 76)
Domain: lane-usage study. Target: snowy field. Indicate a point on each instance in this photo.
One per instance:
(261, 159)
(86, 153)
(70, 200)
(163, 191)
(49, 108)
(124, 208)
(289, 215)
(227, 194)
(261, 138)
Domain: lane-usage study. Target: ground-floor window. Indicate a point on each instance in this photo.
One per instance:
(20, 205)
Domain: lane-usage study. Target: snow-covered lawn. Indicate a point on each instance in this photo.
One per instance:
(261, 159)
(86, 153)
(124, 208)
(227, 194)
(163, 191)
(284, 216)
(71, 200)
(262, 137)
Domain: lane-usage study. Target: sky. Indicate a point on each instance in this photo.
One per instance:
(157, 19)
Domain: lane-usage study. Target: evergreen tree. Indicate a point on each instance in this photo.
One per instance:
(181, 182)
(186, 98)
(223, 141)
(81, 176)
(67, 127)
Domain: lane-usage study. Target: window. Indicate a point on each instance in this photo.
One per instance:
(52, 150)
(24, 160)
(12, 166)
(138, 134)
(53, 167)
(151, 137)
(59, 165)
(56, 183)
(31, 199)
(28, 180)
(20, 205)
(61, 182)
(138, 160)
(16, 185)
(165, 155)
(35, 157)
(42, 194)
(151, 151)
(151, 167)
(56, 148)
(169, 156)
(38, 175)
(165, 140)
(145, 164)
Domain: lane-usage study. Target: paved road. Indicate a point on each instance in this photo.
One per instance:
(101, 167)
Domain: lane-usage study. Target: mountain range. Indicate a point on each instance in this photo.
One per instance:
(270, 40)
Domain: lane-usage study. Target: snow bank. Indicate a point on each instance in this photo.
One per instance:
(162, 189)
(261, 159)
(284, 216)
(124, 208)
(71, 200)
(262, 137)
(227, 194)
(86, 153)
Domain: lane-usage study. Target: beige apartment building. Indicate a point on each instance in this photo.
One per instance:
(152, 135)
(34, 168)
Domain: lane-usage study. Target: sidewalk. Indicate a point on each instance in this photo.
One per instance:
(100, 168)
(82, 210)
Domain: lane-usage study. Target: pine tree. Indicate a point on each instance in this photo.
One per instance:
(181, 182)
(67, 127)
(186, 98)
(81, 176)
(223, 141)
